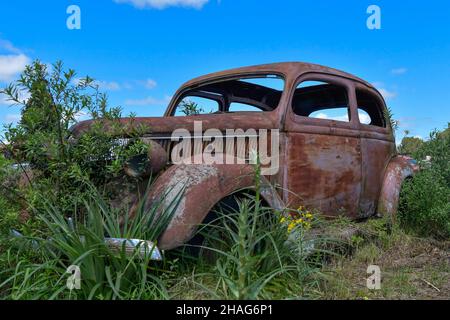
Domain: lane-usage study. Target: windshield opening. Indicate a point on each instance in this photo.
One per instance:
(246, 94)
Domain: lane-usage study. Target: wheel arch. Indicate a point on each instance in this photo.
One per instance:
(203, 187)
(397, 172)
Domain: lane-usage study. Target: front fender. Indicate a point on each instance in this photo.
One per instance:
(399, 169)
(204, 186)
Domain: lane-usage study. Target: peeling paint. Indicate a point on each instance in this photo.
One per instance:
(184, 178)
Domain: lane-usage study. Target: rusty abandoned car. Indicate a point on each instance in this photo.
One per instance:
(335, 149)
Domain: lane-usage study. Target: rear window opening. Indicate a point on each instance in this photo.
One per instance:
(247, 94)
(370, 109)
(321, 100)
(364, 117)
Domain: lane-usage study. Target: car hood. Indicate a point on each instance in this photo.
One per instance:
(166, 125)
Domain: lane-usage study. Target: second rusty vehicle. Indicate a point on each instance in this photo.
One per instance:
(335, 148)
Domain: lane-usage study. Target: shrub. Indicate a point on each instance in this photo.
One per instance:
(425, 200)
(62, 167)
(46, 175)
(410, 145)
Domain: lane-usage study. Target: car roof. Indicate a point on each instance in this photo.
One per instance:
(288, 69)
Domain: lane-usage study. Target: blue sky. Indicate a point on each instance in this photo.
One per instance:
(141, 51)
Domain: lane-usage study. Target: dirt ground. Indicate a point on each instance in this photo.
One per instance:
(411, 268)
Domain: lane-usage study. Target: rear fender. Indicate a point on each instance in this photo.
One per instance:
(399, 169)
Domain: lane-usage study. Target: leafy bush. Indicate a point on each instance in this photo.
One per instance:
(425, 199)
(42, 141)
(410, 145)
(190, 108)
(42, 163)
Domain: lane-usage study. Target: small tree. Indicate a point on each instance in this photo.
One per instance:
(190, 108)
(63, 167)
(410, 145)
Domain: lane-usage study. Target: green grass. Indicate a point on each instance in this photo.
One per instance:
(246, 254)
(41, 272)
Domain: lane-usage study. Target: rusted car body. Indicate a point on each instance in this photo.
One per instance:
(340, 165)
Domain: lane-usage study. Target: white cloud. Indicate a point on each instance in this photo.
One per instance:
(23, 97)
(108, 85)
(127, 86)
(149, 101)
(12, 118)
(103, 85)
(12, 65)
(162, 4)
(116, 86)
(399, 71)
(150, 84)
(3, 100)
(364, 118)
(387, 94)
(81, 116)
(323, 115)
(378, 84)
(8, 46)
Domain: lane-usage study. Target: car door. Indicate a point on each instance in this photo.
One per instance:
(323, 147)
(377, 145)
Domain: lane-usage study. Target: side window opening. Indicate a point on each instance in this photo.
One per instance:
(194, 105)
(370, 109)
(322, 100)
(242, 107)
(260, 93)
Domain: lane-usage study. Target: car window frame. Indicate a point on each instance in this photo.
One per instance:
(331, 79)
(368, 127)
(219, 99)
(170, 111)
